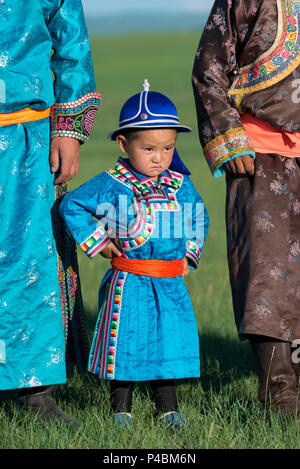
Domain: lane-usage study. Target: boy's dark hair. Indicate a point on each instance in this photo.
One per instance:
(131, 134)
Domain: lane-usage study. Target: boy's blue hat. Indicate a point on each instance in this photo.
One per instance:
(147, 110)
(150, 110)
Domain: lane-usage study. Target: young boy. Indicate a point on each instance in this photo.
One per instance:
(157, 225)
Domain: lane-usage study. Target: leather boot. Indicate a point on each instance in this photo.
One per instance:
(41, 401)
(277, 379)
(296, 368)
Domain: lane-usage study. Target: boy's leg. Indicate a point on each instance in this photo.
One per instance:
(121, 402)
(121, 396)
(164, 395)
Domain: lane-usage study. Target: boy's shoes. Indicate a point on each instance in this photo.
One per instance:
(122, 419)
(173, 420)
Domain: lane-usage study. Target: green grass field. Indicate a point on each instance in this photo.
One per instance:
(221, 407)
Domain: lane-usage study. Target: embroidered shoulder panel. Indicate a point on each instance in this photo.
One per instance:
(279, 61)
(141, 229)
(149, 197)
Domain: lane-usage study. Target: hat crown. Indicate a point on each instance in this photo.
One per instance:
(147, 105)
(148, 110)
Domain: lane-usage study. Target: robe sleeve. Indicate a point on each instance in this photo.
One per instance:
(196, 223)
(221, 131)
(86, 211)
(76, 99)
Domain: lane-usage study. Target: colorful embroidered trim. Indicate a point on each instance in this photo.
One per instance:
(104, 347)
(149, 197)
(75, 119)
(77, 349)
(279, 61)
(226, 146)
(95, 242)
(193, 253)
(163, 198)
(143, 227)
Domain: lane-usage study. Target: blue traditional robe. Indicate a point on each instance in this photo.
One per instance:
(38, 38)
(146, 328)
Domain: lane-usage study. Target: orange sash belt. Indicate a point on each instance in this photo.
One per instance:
(25, 115)
(149, 267)
(267, 139)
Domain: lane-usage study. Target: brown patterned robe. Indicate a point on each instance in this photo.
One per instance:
(248, 61)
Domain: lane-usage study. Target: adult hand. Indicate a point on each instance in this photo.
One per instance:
(64, 158)
(186, 270)
(241, 165)
(110, 251)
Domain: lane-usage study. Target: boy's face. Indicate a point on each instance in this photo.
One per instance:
(149, 151)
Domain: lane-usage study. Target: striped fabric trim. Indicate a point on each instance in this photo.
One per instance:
(142, 230)
(193, 253)
(104, 347)
(95, 243)
(173, 180)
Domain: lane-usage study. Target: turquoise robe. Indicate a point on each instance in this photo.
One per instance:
(41, 40)
(146, 328)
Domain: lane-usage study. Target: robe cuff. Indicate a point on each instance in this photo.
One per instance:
(75, 119)
(94, 244)
(231, 144)
(193, 254)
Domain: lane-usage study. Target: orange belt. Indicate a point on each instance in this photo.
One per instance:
(25, 115)
(267, 139)
(149, 267)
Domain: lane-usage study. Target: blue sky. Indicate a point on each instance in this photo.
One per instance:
(121, 6)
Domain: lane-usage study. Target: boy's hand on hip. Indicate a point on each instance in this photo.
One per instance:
(64, 158)
(241, 165)
(110, 251)
(186, 270)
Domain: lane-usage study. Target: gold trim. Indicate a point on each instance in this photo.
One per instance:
(221, 138)
(282, 19)
(229, 155)
(270, 82)
(238, 103)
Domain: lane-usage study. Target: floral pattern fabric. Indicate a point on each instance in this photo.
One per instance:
(31, 327)
(39, 290)
(247, 61)
(263, 230)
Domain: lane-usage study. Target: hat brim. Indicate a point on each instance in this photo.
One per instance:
(148, 126)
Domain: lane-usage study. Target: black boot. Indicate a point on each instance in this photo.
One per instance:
(296, 368)
(40, 400)
(277, 378)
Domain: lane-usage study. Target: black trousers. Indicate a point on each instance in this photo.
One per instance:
(163, 394)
